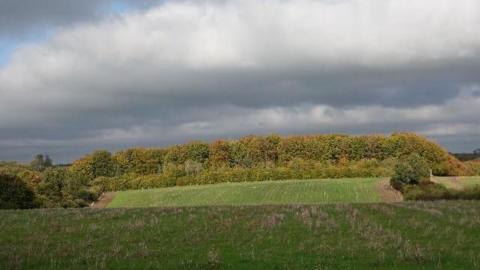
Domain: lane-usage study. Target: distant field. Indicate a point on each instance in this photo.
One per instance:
(256, 193)
(407, 235)
(458, 182)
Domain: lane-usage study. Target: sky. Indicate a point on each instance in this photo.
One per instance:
(103, 74)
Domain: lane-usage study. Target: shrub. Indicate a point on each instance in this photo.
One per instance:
(473, 167)
(220, 154)
(176, 154)
(25, 173)
(426, 191)
(99, 163)
(193, 167)
(132, 181)
(197, 151)
(142, 161)
(272, 151)
(52, 184)
(40, 163)
(63, 188)
(251, 158)
(15, 193)
(472, 193)
(297, 169)
(431, 191)
(411, 171)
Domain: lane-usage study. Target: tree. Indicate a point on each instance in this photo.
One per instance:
(103, 164)
(413, 170)
(38, 163)
(47, 162)
(15, 194)
(99, 163)
(476, 151)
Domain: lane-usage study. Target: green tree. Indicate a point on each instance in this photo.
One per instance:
(99, 163)
(15, 194)
(413, 170)
(38, 163)
(102, 164)
(47, 162)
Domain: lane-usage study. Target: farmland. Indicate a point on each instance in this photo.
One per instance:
(407, 235)
(229, 205)
(458, 182)
(239, 134)
(351, 190)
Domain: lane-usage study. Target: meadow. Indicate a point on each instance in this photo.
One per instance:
(352, 190)
(407, 235)
(458, 183)
(227, 205)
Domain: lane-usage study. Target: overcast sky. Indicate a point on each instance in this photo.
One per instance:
(81, 75)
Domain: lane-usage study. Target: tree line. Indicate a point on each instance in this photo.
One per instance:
(250, 158)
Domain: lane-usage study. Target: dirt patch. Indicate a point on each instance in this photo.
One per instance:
(388, 193)
(104, 200)
(449, 182)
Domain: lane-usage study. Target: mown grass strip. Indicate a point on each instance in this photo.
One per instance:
(353, 190)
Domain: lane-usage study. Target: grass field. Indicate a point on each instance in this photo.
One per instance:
(409, 235)
(256, 193)
(458, 182)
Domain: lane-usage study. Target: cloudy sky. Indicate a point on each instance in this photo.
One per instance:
(80, 75)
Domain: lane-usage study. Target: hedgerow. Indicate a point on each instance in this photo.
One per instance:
(273, 150)
(53, 187)
(431, 191)
(472, 167)
(296, 169)
(250, 158)
(260, 158)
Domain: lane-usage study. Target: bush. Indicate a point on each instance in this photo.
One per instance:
(271, 151)
(15, 194)
(431, 191)
(411, 171)
(296, 169)
(141, 161)
(472, 193)
(426, 191)
(132, 181)
(251, 158)
(473, 167)
(63, 188)
(452, 167)
(99, 163)
(193, 167)
(23, 172)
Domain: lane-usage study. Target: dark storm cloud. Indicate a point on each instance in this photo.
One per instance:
(20, 17)
(215, 69)
(27, 15)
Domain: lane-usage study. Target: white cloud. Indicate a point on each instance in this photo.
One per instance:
(278, 65)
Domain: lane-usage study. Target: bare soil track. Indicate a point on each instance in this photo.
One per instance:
(104, 200)
(388, 193)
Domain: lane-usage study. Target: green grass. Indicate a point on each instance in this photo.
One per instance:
(459, 182)
(409, 235)
(470, 181)
(255, 193)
